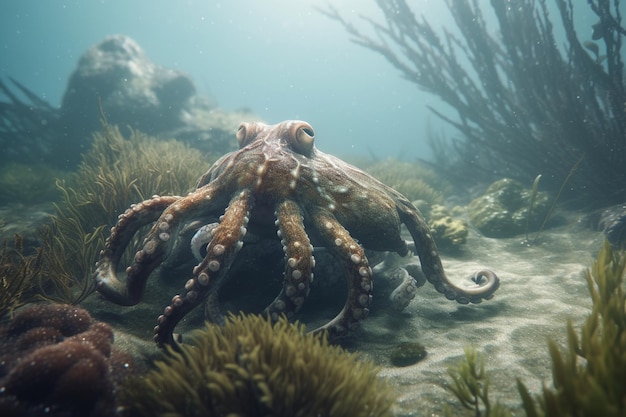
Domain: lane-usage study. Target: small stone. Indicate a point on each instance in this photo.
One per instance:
(407, 353)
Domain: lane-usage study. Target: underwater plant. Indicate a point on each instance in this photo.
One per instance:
(415, 182)
(526, 102)
(113, 174)
(18, 275)
(470, 385)
(29, 126)
(251, 367)
(588, 377)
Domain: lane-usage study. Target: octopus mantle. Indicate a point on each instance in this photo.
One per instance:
(277, 184)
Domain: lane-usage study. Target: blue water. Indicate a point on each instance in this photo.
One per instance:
(280, 58)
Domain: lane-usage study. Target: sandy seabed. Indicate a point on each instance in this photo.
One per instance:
(542, 287)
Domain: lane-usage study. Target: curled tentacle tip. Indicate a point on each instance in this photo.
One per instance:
(486, 278)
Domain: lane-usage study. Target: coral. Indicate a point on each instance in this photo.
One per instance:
(250, 367)
(503, 209)
(588, 378)
(450, 232)
(56, 361)
(407, 353)
(110, 177)
(525, 102)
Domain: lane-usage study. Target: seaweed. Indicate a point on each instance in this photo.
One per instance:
(525, 104)
(115, 173)
(251, 367)
(19, 273)
(470, 385)
(588, 378)
(415, 182)
(30, 127)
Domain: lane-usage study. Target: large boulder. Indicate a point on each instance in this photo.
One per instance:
(117, 80)
(117, 75)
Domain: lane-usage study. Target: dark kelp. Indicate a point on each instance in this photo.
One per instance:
(525, 104)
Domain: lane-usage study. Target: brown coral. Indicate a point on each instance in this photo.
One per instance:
(56, 360)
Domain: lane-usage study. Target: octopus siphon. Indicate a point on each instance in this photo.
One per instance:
(277, 183)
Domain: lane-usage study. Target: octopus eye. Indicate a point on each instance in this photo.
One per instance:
(304, 138)
(241, 134)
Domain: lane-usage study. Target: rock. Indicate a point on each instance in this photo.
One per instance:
(407, 353)
(503, 210)
(132, 90)
(115, 78)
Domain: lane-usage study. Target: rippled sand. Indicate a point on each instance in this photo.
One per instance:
(541, 288)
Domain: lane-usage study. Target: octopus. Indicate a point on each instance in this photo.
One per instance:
(276, 184)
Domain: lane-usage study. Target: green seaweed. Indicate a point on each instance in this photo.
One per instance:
(18, 274)
(588, 378)
(470, 385)
(115, 173)
(251, 367)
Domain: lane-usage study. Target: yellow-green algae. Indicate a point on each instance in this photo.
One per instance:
(589, 378)
(470, 385)
(251, 367)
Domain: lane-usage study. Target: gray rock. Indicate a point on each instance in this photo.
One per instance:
(117, 75)
(115, 78)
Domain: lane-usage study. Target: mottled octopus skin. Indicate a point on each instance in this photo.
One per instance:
(278, 181)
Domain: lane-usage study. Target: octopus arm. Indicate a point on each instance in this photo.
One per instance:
(105, 275)
(299, 260)
(486, 282)
(226, 240)
(359, 274)
(157, 245)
